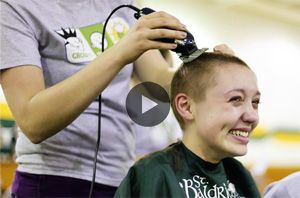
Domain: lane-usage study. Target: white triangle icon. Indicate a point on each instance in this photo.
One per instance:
(147, 104)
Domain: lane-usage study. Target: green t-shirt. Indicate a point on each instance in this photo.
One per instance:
(178, 172)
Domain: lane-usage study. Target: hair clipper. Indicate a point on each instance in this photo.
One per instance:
(186, 49)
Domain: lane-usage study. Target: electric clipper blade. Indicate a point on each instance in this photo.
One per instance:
(193, 56)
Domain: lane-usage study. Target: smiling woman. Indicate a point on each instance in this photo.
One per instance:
(226, 116)
(215, 99)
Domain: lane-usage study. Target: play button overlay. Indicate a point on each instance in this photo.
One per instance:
(148, 104)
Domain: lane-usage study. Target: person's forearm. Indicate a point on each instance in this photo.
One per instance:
(151, 66)
(41, 112)
(52, 109)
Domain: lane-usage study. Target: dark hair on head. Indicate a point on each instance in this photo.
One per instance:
(195, 77)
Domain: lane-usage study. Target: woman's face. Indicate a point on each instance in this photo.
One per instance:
(228, 114)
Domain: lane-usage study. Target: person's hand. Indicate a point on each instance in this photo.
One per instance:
(145, 35)
(224, 49)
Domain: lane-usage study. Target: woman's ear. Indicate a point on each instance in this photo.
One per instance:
(183, 106)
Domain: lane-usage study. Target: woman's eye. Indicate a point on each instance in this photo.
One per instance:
(256, 103)
(236, 99)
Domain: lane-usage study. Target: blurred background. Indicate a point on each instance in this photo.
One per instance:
(266, 35)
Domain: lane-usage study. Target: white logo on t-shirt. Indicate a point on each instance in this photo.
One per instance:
(199, 187)
(85, 43)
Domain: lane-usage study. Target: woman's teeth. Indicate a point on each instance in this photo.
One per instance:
(239, 133)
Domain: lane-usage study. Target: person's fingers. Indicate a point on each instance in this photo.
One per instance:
(166, 33)
(158, 14)
(161, 45)
(147, 34)
(162, 19)
(223, 48)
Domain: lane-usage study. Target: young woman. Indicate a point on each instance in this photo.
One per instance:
(215, 100)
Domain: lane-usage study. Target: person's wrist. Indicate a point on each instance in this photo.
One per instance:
(123, 55)
(114, 56)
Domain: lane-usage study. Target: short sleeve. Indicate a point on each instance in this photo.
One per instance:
(287, 187)
(19, 44)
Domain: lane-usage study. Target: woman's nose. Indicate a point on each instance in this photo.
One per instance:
(250, 114)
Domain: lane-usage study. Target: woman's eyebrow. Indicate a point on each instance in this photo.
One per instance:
(242, 91)
(235, 90)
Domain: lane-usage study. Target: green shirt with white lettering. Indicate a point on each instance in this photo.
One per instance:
(178, 172)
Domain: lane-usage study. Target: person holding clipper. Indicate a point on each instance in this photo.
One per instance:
(52, 71)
